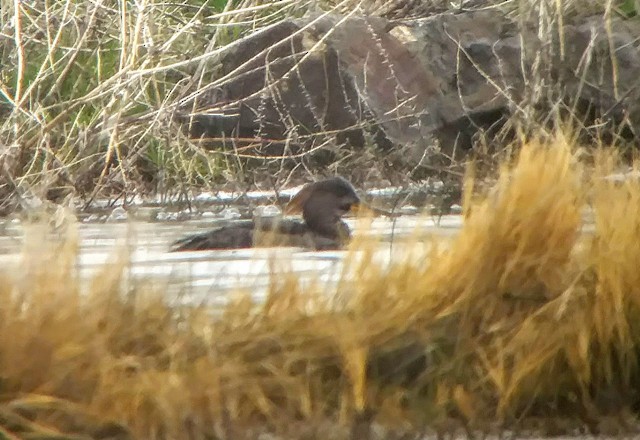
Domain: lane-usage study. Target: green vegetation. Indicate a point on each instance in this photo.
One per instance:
(521, 322)
(89, 89)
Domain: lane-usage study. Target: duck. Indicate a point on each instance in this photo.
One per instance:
(322, 205)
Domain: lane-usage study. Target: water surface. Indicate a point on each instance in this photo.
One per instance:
(210, 276)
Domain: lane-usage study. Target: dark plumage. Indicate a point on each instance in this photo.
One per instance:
(322, 205)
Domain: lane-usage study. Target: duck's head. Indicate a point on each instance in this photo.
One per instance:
(323, 203)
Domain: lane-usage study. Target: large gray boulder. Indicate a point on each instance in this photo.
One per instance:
(423, 88)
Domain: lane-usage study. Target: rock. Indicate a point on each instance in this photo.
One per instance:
(606, 95)
(273, 96)
(424, 89)
(266, 211)
(230, 213)
(118, 214)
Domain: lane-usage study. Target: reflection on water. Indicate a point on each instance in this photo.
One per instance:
(210, 276)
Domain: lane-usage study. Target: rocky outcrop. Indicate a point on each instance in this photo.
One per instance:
(418, 87)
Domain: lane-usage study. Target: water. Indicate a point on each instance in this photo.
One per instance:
(211, 276)
(145, 230)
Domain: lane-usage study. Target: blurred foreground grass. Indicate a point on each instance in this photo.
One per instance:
(522, 323)
(92, 93)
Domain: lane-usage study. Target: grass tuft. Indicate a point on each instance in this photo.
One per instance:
(526, 314)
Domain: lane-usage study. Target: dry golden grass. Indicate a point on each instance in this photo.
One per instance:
(521, 318)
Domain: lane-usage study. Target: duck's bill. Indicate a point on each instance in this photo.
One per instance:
(362, 210)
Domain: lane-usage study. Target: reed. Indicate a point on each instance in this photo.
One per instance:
(522, 322)
(90, 91)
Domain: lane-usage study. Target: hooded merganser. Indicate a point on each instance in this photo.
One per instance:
(322, 204)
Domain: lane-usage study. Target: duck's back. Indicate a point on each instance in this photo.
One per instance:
(249, 233)
(239, 235)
